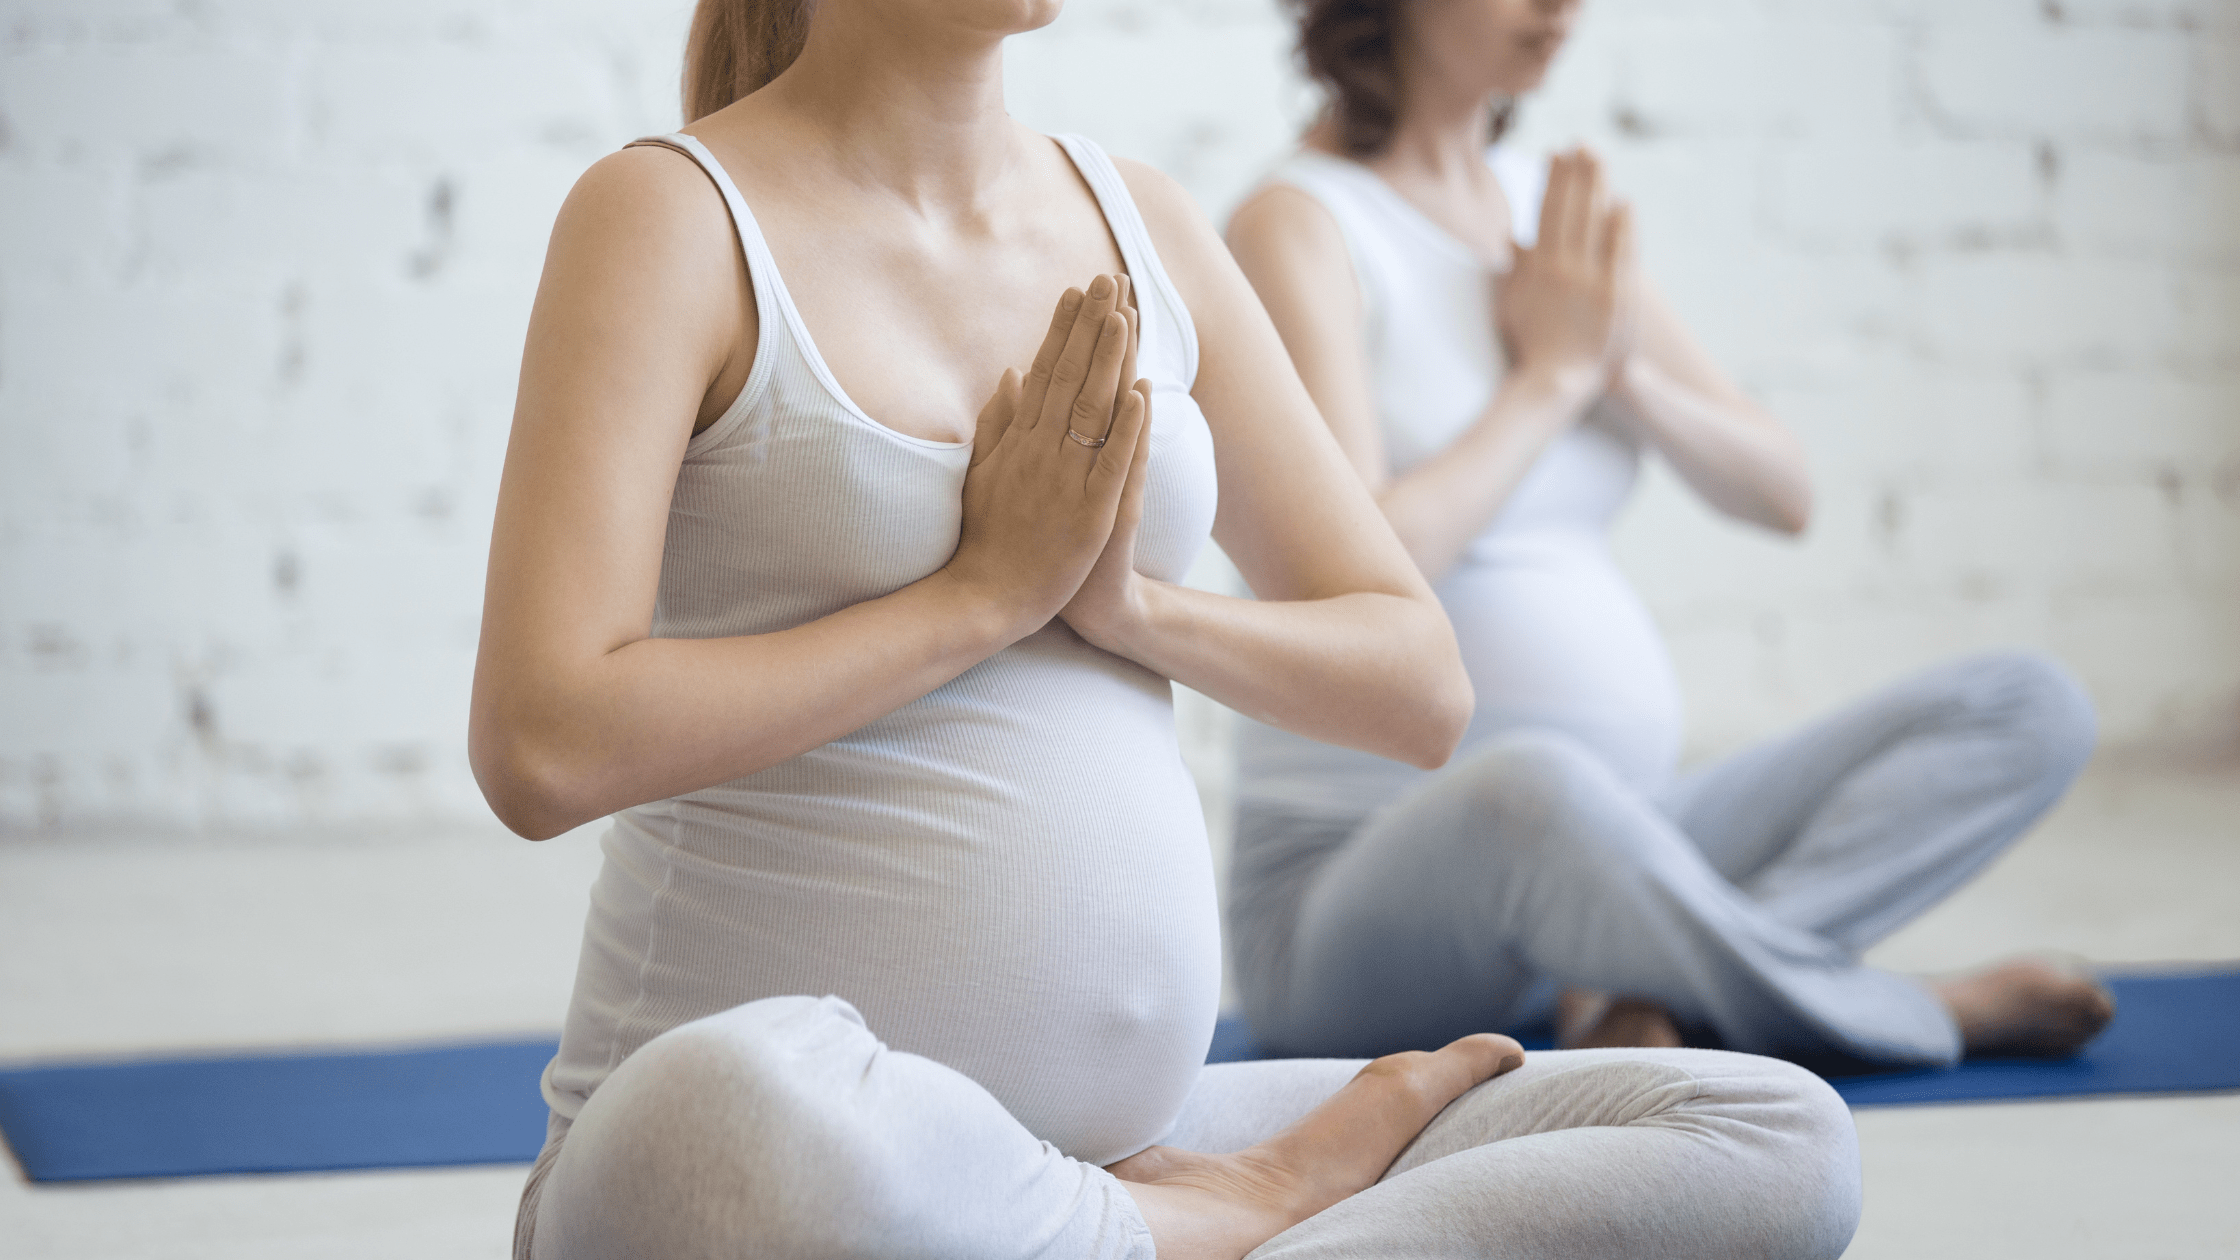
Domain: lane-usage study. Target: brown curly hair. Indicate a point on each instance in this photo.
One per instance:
(1350, 47)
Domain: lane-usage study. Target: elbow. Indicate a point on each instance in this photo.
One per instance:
(1441, 715)
(1783, 509)
(1791, 502)
(1792, 513)
(526, 785)
(1442, 728)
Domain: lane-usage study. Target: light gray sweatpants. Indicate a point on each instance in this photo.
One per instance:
(783, 1130)
(1740, 899)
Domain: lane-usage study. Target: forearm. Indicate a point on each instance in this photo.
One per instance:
(1439, 505)
(1740, 460)
(1368, 670)
(560, 743)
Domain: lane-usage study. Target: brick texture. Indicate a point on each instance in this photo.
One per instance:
(264, 268)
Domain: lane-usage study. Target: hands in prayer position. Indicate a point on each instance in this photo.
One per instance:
(1055, 491)
(1568, 307)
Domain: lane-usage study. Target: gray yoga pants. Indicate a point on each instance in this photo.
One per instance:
(1740, 899)
(783, 1130)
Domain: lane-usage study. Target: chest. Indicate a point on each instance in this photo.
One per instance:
(918, 319)
(1472, 211)
(802, 507)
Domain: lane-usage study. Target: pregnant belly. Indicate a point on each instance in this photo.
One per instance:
(1013, 892)
(1554, 636)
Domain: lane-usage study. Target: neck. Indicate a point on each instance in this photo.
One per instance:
(1441, 135)
(917, 113)
(1444, 123)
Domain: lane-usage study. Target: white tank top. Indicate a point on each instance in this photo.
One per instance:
(1009, 875)
(1551, 632)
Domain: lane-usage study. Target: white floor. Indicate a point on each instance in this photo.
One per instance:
(127, 944)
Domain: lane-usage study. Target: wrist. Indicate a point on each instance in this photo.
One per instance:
(1633, 377)
(986, 617)
(1121, 625)
(1570, 383)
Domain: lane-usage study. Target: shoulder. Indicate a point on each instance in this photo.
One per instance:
(645, 187)
(652, 204)
(1295, 250)
(1282, 215)
(644, 238)
(1169, 212)
(1189, 249)
(1276, 219)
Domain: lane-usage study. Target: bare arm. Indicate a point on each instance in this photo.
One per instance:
(1733, 452)
(1559, 313)
(1345, 641)
(577, 711)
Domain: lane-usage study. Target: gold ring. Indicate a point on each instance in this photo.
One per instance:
(1090, 442)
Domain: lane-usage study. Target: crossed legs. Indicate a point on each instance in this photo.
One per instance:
(783, 1129)
(1737, 903)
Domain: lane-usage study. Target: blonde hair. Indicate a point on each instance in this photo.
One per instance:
(736, 46)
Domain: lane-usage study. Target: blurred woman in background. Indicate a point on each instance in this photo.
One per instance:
(905, 944)
(1470, 322)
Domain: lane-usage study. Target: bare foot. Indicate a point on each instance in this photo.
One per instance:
(1218, 1207)
(2027, 1007)
(1586, 1020)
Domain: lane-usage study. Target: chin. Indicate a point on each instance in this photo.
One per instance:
(1006, 17)
(1529, 70)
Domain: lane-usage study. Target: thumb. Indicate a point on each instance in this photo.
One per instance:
(1116, 462)
(1139, 465)
(995, 417)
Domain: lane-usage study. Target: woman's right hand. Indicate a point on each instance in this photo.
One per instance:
(1039, 504)
(1565, 307)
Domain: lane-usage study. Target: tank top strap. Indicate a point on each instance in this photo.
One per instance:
(774, 314)
(1179, 333)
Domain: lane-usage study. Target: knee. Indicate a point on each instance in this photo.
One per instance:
(1551, 803)
(722, 1136)
(1813, 1185)
(1531, 777)
(2043, 704)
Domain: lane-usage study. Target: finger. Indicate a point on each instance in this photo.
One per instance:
(1592, 209)
(1555, 204)
(1134, 315)
(1091, 416)
(1617, 245)
(1625, 284)
(1037, 381)
(1071, 371)
(1135, 327)
(1115, 468)
(995, 417)
(1139, 465)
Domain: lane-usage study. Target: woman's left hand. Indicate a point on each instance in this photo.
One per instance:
(1111, 598)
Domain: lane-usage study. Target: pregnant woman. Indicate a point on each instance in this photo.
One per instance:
(905, 943)
(1495, 372)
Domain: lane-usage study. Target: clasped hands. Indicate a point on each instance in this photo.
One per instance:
(1566, 308)
(1054, 494)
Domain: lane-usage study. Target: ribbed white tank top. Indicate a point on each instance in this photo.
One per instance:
(1552, 633)
(1009, 875)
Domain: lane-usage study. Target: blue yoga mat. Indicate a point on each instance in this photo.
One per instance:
(2172, 1032)
(478, 1104)
(266, 1113)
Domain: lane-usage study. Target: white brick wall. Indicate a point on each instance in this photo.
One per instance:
(264, 267)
